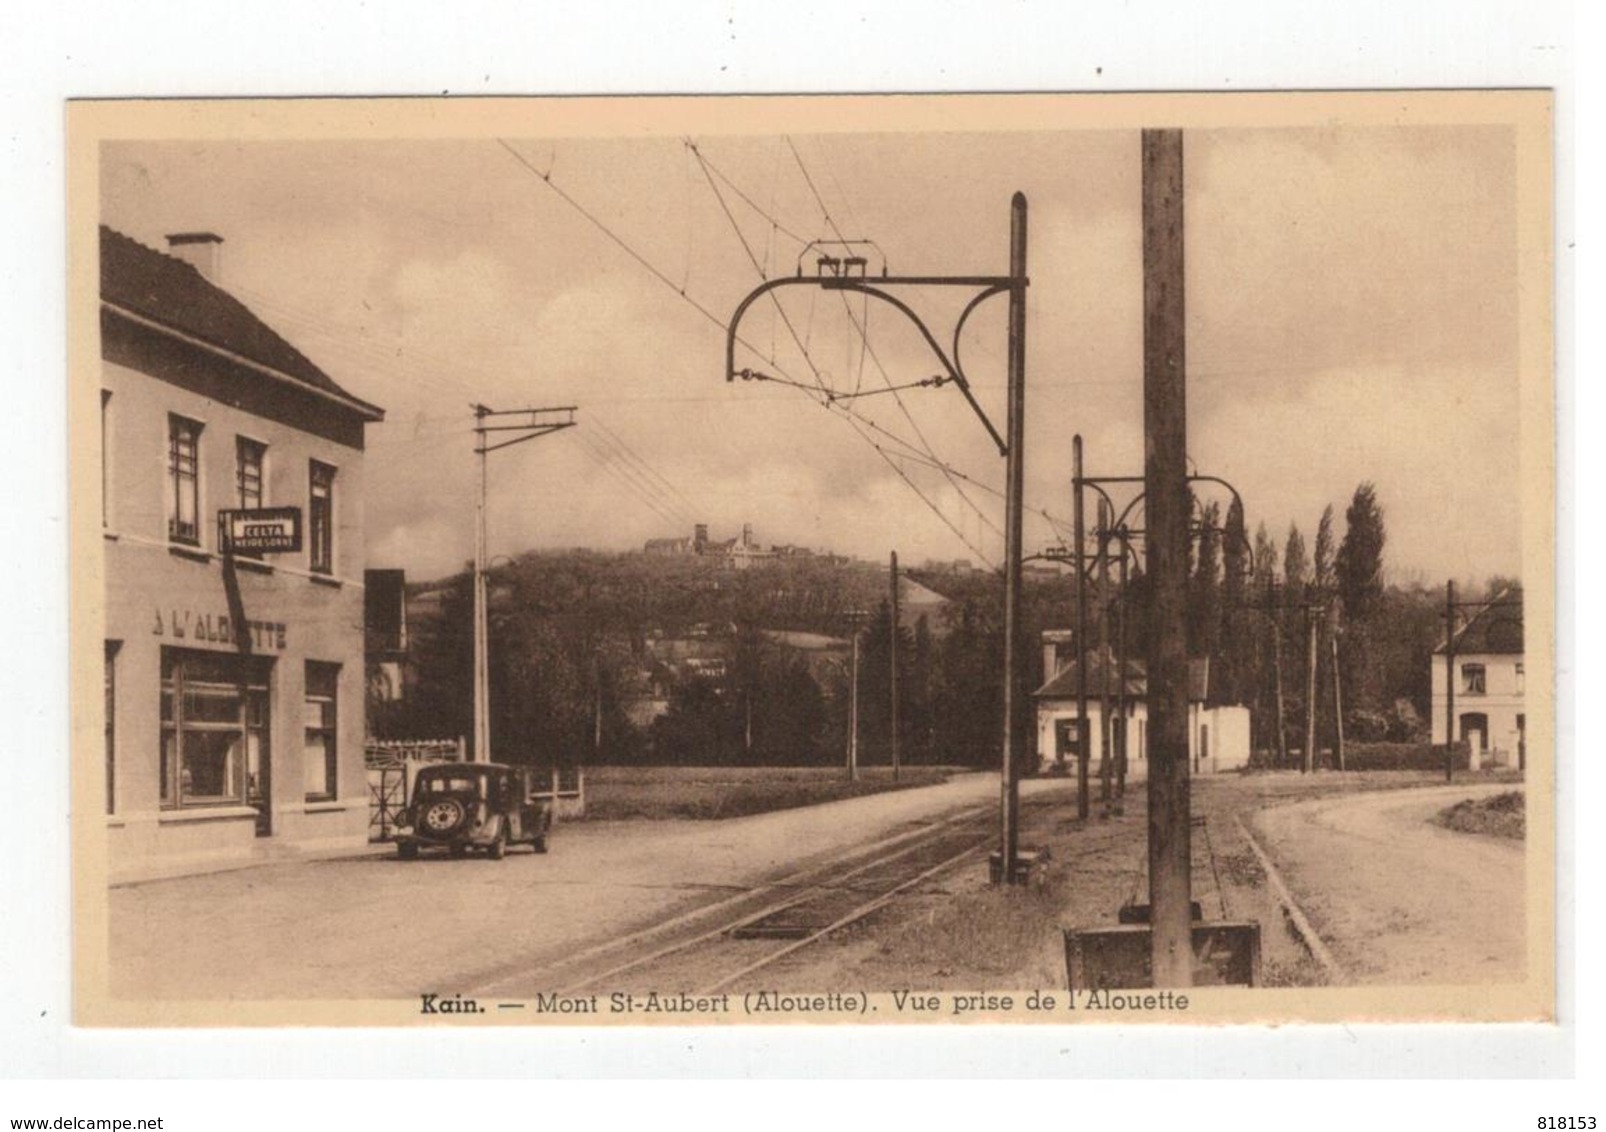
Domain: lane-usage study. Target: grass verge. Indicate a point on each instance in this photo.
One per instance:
(1500, 816)
(713, 793)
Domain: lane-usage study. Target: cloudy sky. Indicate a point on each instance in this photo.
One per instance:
(1352, 315)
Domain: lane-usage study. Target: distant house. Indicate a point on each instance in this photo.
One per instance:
(1490, 684)
(1218, 737)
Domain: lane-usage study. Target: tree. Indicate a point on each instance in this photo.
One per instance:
(1360, 556)
(1204, 587)
(1237, 653)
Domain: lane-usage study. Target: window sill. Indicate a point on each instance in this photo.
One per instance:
(253, 566)
(327, 580)
(110, 535)
(193, 553)
(201, 813)
(327, 806)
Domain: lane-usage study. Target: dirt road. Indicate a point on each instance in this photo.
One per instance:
(1396, 898)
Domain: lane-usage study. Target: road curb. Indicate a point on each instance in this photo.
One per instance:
(1296, 916)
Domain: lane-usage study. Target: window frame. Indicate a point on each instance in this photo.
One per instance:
(105, 460)
(179, 685)
(112, 649)
(175, 480)
(1474, 679)
(242, 446)
(328, 729)
(321, 517)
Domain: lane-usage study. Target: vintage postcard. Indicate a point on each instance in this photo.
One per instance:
(877, 560)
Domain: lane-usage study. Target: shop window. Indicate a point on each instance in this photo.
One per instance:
(318, 759)
(214, 727)
(105, 458)
(250, 461)
(183, 480)
(111, 725)
(321, 517)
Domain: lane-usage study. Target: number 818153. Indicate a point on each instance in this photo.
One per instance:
(1566, 1124)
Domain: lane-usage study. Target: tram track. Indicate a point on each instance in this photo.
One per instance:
(712, 946)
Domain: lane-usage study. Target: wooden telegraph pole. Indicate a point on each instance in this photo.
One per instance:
(1165, 470)
(1078, 536)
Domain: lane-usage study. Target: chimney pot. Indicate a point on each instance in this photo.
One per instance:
(201, 250)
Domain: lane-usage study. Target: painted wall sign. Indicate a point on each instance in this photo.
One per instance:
(263, 530)
(218, 629)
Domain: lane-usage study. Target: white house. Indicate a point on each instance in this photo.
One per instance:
(1218, 737)
(1490, 683)
(234, 681)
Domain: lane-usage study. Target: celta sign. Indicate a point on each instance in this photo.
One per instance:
(263, 530)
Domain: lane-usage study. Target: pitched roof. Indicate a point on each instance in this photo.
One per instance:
(172, 293)
(1496, 627)
(1062, 685)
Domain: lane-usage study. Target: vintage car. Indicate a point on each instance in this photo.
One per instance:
(463, 806)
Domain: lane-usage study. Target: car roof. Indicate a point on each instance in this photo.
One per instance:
(459, 768)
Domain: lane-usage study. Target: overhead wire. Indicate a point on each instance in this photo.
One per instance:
(876, 357)
(709, 315)
(824, 391)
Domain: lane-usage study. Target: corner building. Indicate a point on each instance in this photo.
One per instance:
(234, 684)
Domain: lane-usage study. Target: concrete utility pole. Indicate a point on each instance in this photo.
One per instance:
(1168, 504)
(537, 422)
(1449, 681)
(1016, 721)
(1338, 704)
(1120, 680)
(1079, 536)
(1105, 610)
(893, 674)
(856, 619)
(848, 273)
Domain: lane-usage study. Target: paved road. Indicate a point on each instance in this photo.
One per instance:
(1398, 899)
(376, 927)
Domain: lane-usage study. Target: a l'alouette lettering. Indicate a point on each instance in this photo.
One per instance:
(456, 1004)
(183, 624)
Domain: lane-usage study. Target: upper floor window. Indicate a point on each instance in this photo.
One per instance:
(105, 458)
(183, 480)
(250, 460)
(1473, 681)
(250, 457)
(321, 518)
(1522, 679)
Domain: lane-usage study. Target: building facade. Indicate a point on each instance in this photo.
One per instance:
(1218, 736)
(1490, 674)
(234, 684)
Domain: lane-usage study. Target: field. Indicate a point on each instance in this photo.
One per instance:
(708, 793)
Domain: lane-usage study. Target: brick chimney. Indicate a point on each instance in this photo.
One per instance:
(201, 250)
(700, 536)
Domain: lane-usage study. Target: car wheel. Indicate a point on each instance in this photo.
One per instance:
(407, 850)
(443, 816)
(498, 848)
(539, 845)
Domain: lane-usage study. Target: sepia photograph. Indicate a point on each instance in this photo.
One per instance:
(880, 559)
